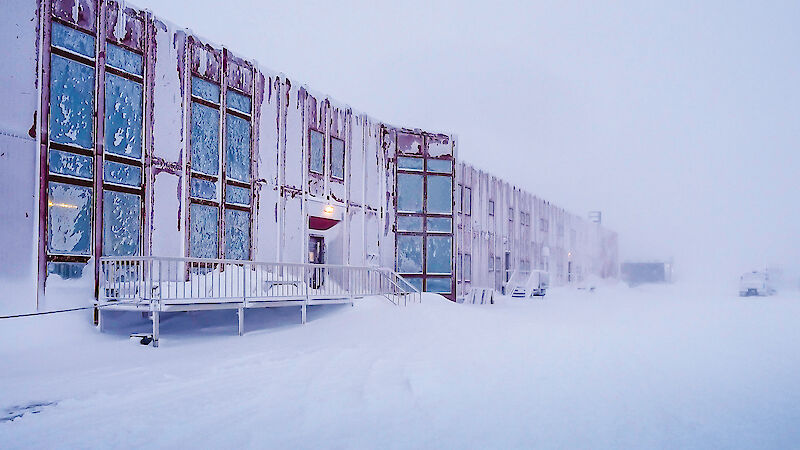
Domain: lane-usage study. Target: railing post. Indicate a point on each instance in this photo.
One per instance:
(241, 321)
(155, 324)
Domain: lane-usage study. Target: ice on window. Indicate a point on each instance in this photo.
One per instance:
(71, 103)
(439, 224)
(203, 231)
(238, 102)
(69, 219)
(203, 189)
(409, 223)
(440, 195)
(439, 254)
(205, 139)
(114, 172)
(124, 60)
(237, 234)
(409, 254)
(238, 143)
(205, 90)
(72, 40)
(237, 195)
(123, 127)
(121, 223)
(317, 152)
(337, 158)
(72, 164)
(409, 192)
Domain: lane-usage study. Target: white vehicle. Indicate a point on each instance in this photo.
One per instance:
(755, 283)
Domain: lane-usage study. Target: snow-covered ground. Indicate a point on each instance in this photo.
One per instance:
(653, 366)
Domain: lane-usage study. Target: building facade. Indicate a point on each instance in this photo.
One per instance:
(131, 136)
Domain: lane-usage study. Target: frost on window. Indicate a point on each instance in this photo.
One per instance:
(237, 234)
(409, 223)
(237, 136)
(72, 40)
(438, 285)
(317, 163)
(71, 164)
(409, 254)
(123, 128)
(121, 220)
(66, 270)
(114, 172)
(337, 158)
(440, 165)
(203, 231)
(409, 192)
(205, 90)
(237, 101)
(440, 195)
(205, 139)
(407, 163)
(416, 282)
(203, 189)
(237, 195)
(467, 267)
(124, 60)
(69, 219)
(439, 254)
(71, 102)
(440, 224)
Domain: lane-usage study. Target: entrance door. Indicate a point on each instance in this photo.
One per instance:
(316, 255)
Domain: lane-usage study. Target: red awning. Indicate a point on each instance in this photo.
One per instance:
(321, 223)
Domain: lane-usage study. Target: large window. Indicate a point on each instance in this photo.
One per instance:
(221, 181)
(316, 162)
(337, 158)
(424, 221)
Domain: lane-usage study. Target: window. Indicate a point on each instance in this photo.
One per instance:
(510, 214)
(467, 267)
(491, 263)
(491, 207)
(543, 225)
(424, 220)
(316, 163)
(467, 201)
(220, 187)
(337, 158)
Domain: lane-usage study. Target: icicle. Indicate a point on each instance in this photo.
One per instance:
(119, 27)
(75, 11)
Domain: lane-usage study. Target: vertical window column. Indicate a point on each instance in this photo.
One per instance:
(238, 179)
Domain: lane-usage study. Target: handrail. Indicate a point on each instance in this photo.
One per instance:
(185, 280)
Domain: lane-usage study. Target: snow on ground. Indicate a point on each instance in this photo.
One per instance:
(653, 366)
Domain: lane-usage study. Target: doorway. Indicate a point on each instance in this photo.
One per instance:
(316, 255)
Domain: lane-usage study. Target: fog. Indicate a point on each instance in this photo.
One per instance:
(678, 120)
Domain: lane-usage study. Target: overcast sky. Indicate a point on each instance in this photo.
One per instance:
(679, 120)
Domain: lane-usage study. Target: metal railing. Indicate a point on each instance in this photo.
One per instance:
(163, 281)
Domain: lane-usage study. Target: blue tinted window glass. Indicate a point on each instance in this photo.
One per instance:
(238, 195)
(123, 59)
(409, 254)
(114, 172)
(205, 90)
(66, 270)
(71, 102)
(238, 142)
(203, 189)
(203, 231)
(123, 128)
(73, 40)
(438, 285)
(337, 158)
(440, 195)
(416, 282)
(205, 139)
(409, 223)
(407, 163)
(237, 101)
(122, 214)
(409, 192)
(237, 234)
(439, 254)
(69, 219)
(317, 152)
(440, 224)
(440, 165)
(72, 164)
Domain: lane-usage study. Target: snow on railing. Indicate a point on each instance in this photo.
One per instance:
(164, 281)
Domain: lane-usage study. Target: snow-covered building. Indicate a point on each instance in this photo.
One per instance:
(125, 135)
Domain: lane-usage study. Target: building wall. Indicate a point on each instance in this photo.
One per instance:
(497, 220)
(165, 144)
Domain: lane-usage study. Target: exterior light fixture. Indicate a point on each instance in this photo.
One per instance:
(329, 209)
